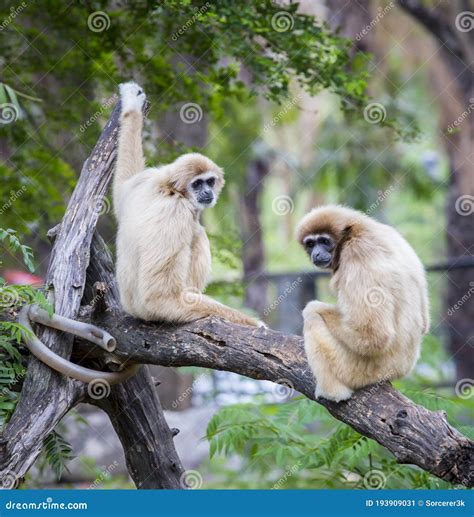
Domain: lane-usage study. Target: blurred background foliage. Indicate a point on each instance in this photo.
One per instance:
(281, 92)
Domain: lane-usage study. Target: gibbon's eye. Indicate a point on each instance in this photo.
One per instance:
(211, 181)
(197, 184)
(309, 243)
(324, 241)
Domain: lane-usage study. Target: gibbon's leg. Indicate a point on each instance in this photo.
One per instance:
(130, 159)
(193, 306)
(324, 352)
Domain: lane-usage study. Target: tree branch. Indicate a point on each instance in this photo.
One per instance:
(411, 432)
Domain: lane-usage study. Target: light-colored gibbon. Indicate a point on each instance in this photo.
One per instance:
(163, 253)
(374, 331)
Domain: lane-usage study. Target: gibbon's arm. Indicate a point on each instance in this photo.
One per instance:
(363, 331)
(130, 159)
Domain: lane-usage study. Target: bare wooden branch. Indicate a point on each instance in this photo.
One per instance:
(412, 433)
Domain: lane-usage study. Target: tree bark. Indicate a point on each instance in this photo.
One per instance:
(47, 396)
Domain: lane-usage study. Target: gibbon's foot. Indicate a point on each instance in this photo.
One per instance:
(337, 393)
(261, 324)
(133, 97)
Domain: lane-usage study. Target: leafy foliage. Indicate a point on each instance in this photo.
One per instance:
(56, 452)
(298, 444)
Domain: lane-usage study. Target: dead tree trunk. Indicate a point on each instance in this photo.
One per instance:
(47, 396)
(411, 432)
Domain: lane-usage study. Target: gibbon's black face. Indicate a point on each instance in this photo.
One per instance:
(320, 248)
(202, 190)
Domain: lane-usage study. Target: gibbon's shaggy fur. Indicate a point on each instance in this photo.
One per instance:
(163, 253)
(374, 331)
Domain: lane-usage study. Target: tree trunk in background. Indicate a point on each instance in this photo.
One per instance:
(457, 102)
(253, 252)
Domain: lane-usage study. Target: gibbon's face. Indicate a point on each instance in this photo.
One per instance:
(320, 248)
(202, 190)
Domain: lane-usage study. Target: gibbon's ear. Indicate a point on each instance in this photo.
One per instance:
(346, 236)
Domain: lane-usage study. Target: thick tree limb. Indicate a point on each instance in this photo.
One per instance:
(47, 396)
(411, 432)
(136, 414)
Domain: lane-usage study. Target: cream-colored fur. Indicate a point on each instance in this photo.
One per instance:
(374, 331)
(163, 254)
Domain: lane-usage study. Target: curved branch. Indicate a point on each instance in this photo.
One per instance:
(411, 432)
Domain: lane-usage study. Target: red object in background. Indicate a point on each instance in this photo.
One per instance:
(14, 276)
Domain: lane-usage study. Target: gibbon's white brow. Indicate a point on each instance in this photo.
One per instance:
(205, 176)
(316, 235)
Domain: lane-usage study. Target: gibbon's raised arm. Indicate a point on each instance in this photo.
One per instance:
(163, 253)
(374, 332)
(130, 158)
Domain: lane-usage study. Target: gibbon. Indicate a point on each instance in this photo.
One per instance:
(374, 331)
(163, 253)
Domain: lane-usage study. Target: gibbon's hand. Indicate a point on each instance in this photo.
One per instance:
(133, 97)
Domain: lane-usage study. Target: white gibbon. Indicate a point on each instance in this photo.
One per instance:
(163, 253)
(374, 331)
